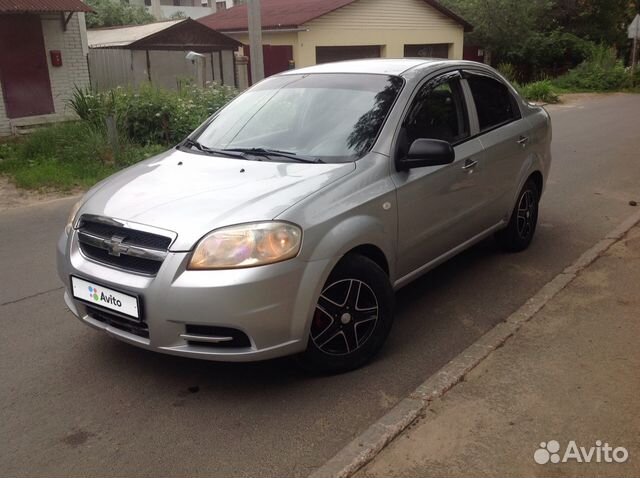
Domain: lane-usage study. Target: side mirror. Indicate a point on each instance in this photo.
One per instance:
(428, 152)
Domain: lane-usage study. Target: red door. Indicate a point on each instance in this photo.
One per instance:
(276, 59)
(23, 67)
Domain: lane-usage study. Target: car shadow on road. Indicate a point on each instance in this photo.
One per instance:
(419, 310)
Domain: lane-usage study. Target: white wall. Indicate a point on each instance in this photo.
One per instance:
(74, 71)
(191, 12)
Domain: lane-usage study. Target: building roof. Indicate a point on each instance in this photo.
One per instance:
(114, 37)
(42, 6)
(284, 14)
(170, 35)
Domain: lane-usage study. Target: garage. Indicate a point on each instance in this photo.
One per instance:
(327, 54)
(321, 31)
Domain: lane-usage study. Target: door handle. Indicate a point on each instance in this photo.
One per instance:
(469, 164)
(523, 141)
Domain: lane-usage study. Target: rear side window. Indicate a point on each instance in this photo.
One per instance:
(494, 102)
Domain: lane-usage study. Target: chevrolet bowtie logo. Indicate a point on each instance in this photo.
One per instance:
(115, 246)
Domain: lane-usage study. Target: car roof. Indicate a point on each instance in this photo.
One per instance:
(377, 66)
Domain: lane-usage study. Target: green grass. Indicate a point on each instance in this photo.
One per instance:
(67, 157)
(76, 155)
(540, 91)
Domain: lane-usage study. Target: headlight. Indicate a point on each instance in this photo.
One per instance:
(247, 245)
(72, 216)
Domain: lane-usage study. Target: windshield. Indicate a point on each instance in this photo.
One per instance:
(329, 117)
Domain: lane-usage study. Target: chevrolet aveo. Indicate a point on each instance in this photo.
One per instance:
(284, 224)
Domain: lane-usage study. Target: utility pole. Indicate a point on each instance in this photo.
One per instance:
(156, 10)
(634, 63)
(255, 40)
(634, 32)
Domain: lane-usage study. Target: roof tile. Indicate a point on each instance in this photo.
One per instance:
(40, 6)
(282, 14)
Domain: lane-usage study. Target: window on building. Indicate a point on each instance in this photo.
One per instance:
(221, 6)
(435, 50)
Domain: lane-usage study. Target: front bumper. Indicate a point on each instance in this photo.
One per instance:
(272, 305)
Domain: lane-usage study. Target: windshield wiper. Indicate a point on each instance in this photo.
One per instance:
(275, 153)
(192, 143)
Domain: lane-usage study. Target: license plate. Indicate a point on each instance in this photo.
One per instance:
(101, 296)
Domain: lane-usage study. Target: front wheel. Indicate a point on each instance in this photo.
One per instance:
(352, 318)
(518, 234)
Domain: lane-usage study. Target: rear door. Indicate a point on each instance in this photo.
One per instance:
(504, 134)
(23, 67)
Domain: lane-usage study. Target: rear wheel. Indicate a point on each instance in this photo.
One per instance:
(352, 318)
(517, 236)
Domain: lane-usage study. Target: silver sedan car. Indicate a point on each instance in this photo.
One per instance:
(284, 224)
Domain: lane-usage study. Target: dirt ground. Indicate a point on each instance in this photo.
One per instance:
(11, 196)
(569, 374)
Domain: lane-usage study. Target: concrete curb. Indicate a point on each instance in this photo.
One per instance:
(366, 446)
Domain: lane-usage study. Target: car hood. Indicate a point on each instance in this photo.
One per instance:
(192, 194)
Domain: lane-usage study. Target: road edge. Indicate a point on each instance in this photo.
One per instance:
(38, 202)
(374, 439)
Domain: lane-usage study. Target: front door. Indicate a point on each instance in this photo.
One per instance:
(437, 206)
(24, 72)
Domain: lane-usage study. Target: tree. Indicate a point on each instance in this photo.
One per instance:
(542, 37)
(601, 21)
(501, 24)
(109, 13)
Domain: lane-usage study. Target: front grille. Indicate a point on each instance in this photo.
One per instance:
(132, 236)
(127, 325)
(136, 251)
(238, 338)
(134, 264)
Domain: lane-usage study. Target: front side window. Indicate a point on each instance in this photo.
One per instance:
(330, 117)
(438, 112)
(494, 102)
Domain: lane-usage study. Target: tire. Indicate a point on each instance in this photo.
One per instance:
(518, 234)
(352, 318)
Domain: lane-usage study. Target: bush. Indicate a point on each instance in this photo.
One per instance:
(78, 154)
(152, 115)
(635, 79)
(508, 71)
(67, 156)
(542, 91)
(547, 54)
(602, 71)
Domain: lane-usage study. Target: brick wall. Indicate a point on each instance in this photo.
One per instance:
(72, 44)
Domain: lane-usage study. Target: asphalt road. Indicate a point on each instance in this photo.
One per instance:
(77, 403)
